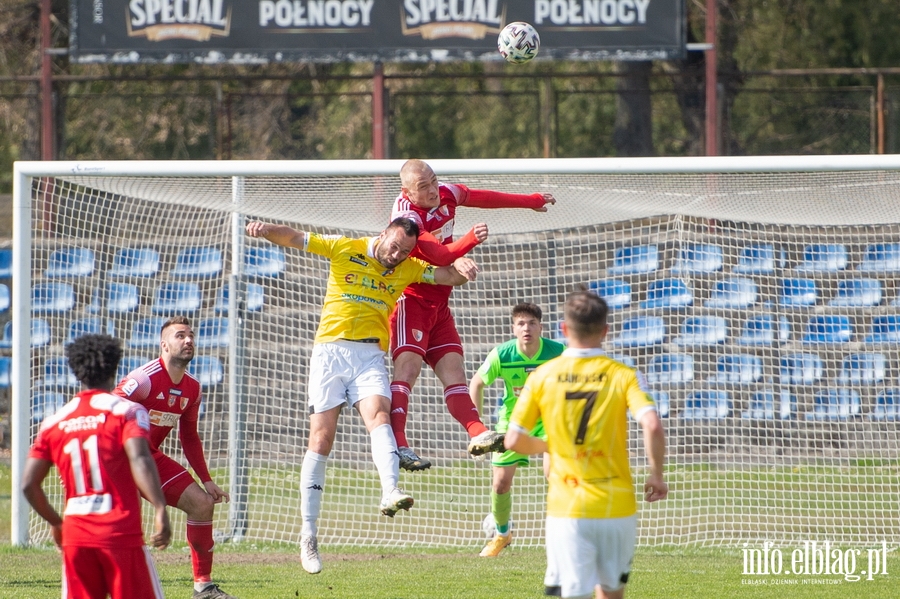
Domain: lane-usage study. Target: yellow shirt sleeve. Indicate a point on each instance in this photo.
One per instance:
(637, 394)
(323, 245)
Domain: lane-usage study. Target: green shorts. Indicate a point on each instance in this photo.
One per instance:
(512, 458)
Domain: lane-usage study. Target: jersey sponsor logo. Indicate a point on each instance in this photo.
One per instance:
(82, 423)
(352, 297)
(161, 395)
(163, 419)
(370, 283)
(129, 387)
(85, 505)
(359, 259)
(398, 411)
(417, 334)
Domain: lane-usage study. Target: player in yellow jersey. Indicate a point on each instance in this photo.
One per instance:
(365, 279)
(582, 397)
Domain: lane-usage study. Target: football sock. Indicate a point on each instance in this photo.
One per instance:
(200, 540)
(312, 485)
(460, 406)
(399, 407)
(385, 456)
(501, 506)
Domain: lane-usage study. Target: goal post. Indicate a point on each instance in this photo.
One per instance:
(758, 295)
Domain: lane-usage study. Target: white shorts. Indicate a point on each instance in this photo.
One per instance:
(585, 552)
(344, 372)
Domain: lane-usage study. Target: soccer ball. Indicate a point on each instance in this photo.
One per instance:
(489, 526)
(518, 42)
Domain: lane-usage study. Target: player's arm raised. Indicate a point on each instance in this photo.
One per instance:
(33, 476)
(278, 234)
(146, 477)
(486, 198)
(458, 273)
(429, 249)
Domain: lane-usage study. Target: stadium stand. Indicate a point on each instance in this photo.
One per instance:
(4, 298)
(636, 259)
(129, 363)
(880, 257)
(5, 372)
(885, 328)
(92, 325)
(762, 406)
(264, 261)
(58, 374)
(698, 259)
(6, 256)
(70, 262)
(256, 297)
(736, 293)
(198, 261)
(835, 404)
(801, 369)
(670, 369)
(707, 404)
(45, 404)
(702, 330)
(40, 333)
(208, 370)
(177, 298)
(857, 293)
(759, 259)
(145, 332)
(828, 328)
(616, 292)
(212, 333)
(668, 293)
(797, 293)
(887, 405)
(116, 298)
(52, 298)
(823, 257)
(640, 331)
(862, 369)
(764, 330)
(738, 368)
(134, 262)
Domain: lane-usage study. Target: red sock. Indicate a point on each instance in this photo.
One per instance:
(460, 406)
(200, 539)
(399, 406)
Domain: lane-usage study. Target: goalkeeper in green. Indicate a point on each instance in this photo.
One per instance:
(512, 361)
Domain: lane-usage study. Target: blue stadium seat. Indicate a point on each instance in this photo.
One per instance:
(92, 325)
(670, 369)
(146, 332)
(762, 406)
(616, 292)
(857, 293)
(881, 257)
(823, 257)
(256, 297)
(796, 293)
(887, 405)
(264, 261)
(702, 330)
(738, 368)
(40, 333)
(177, 298)
(698, 258)
(129, 363)
(6, 256)
(117, 298)
(884, 329)
(640, 331)
(801, 369)
(661, 399)
(134, 262)
(707, 405)
(5, 372)
(759, 259)
(70, 262)
(58, 374)
(736, 293)
(636, 259)
(5, 299)
(828, 328)
(835, 404)
(197, 261)
(213, 332)
(862, 369)
(50, 298)
(668, 293)
(764, 329)
(208, 370)
(46, 404)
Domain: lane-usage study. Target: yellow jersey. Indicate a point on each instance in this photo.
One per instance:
(582, 397)
(361, 293)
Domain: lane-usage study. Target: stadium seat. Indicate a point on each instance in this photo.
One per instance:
(887, 405)
(759, 259)
(198, 261)
(616, 292)
(213, 332)
(120, 298)
(797, 293)
(264, 261)
(698, 258)
(738, 368)
(823, 257)
(736, 293)
(635, 259)
(70, 262)
(52, 298)
(256, 295)
(862, 369)
(208, 370)
(129, 363)
(670, 369)
(828, 328)
(40, 333)
(176, 298)
(6, 256)
(5, 299)
(668, 293)
(702, 330)
(835, 404)
(707, 405)
(661, 399)
(5, 372)
(640, 331)
(146, 332)
(764, 329)
(92, 325)
(762, 406)
(58, 374)
(45, 404)
(857, 293)
(884, 329)
(881, 257)
(801, 369)
(134, 262)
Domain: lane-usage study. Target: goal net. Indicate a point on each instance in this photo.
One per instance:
(759, 296)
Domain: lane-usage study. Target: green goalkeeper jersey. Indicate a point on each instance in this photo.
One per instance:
(506, 362)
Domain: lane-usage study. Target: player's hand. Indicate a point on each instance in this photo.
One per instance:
(655, 488)
(466, 267)
(217, 493)
(548, 199)
(56, 533)
(480, 231)
(162, 535)
(257, 229)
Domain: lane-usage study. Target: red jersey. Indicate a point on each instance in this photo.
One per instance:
(86, 440)
(168, 404)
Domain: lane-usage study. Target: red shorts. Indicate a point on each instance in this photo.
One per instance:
(122, 572)
(425, 328)
(174, 477)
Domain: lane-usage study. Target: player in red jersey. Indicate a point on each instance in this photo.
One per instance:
(99, 443)
(422, 328)
(172, 396)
